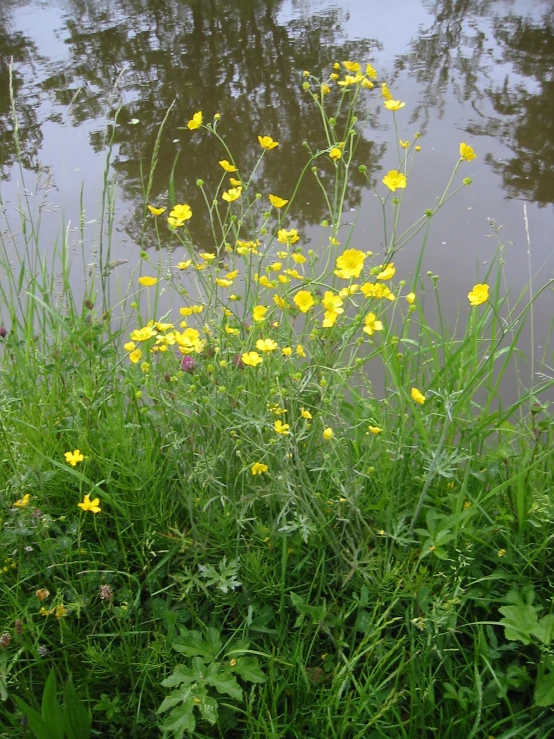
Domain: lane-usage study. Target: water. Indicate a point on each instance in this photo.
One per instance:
(479, 71)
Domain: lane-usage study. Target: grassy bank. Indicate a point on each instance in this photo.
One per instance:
(217, 524)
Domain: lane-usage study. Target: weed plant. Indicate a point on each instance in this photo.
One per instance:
(218, 526)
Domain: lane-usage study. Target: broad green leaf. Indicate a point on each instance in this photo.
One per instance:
(544, 691)
(208, 708)
(181, 719)
(519, 622)
(544, 630)
(223, 682)
(181, 674)
(192, 643)
(52, 714)
(77, 717)
(36, 723)
(249, 669)
(178, 696)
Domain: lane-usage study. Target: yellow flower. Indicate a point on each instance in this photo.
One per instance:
(156, 211)
(479, 294)
(305, 414)
(467, 153)
(374, 429)
(410, 298)
(184, 265)
(351, 80)
(222, 282)
(286, 351)
(288, 237)
(329, 319)
(304, 300)
(372, 324)
(277, 202)
(294, 273)
(251, 359)
(179, 214)
(394, 104)
(394, 179)
(501, 553)
(259, 468)
(367, 84)
(258, 314)
(298, 258)
(325, 89)
(147, 281)
(61, 610)
(196, 121)
(232, 331)
(266, 345)
(90, 505)
(335, 153)
(264, 281)
(376, 290)
(350, 264)
(332, 302)
(232, 275)
(266, 142)
(73, 457)
(385, 92)
(135, 356)
(129, 346)
(227, 166)
(388, 272)
(281, 428)
(352, 66)
(142, 334)
(189, 310)
(370, 71)
(417, 396)
(24, 501)
(234, 182)
(42, 593)
(328, 433)
(300, 350)
(231, 195)
(404, 144)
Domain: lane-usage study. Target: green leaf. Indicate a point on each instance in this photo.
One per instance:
(208, 708)
(181, 674)
(519, 622)
(544, 630)
(181, 719)
(36, 723)
(223, 682)
(249, 669)
(178, 696)
(192, 643)
(52, 714)
(77, 717)
(544, 690)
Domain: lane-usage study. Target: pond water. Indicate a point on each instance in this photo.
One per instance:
(479, 71)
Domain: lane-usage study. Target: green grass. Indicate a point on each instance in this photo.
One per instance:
(354, 588)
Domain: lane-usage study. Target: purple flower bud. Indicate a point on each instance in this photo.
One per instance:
(3, 332)
(188, 364)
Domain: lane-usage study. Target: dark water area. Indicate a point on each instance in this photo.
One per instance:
(479, 71)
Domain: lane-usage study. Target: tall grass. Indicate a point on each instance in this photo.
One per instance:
(336, 555)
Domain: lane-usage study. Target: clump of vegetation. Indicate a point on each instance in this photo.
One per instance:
(215, 524)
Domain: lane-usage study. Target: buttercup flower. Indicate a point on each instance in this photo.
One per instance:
(24, 501)
(286, 351)
(385, 92)
(479, 294)
(276, 201)
(135, 356)
(305, 414)
(266, 142)
(90, 505)
(388, 272)
(417, 396)
(372, 324)
(350, 264)
(258, 314)
(467, 153)
(304, 300)
(184, 265)
(156, 211)
(280, 302)
(266, 345)
(147, 281)
(233, 194)
(235, 182)
(281, 428)
(328, 433)
(404, 144)
(196, 121)
(287, 237)
(352, 66)
(251, 359)
(300, 350)
(73, 458)
(394, 104)
(227, 166)
(395, 179)
(259, 468)
(410, 298)
(374, 429)
(335, 153)
(142, 334)
(179, 214)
